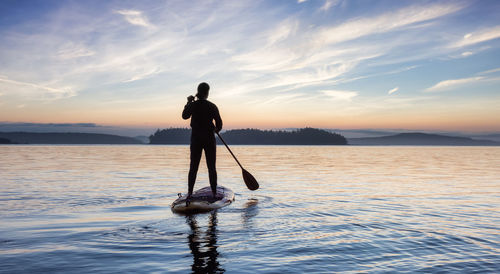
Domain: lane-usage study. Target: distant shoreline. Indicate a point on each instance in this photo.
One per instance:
(420, 139)
(301, 137)
(239, 145)
(66, 138)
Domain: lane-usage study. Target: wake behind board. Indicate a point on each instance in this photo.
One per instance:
(202, 200)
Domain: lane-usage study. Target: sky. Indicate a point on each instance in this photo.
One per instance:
(416, 65)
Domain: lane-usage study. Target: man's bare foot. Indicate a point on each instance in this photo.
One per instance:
(188, 199)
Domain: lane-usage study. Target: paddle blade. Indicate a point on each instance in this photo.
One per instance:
(249, 180)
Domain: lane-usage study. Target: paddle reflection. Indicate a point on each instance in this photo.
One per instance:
(250, 210)
(204, 245)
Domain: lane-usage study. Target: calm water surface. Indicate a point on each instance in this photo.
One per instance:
(320, 209)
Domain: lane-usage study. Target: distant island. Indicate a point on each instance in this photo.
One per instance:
(5, 141)
(420, 139)
(66, 138)
(304, 136)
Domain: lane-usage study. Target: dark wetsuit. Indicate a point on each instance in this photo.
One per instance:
(202, 113)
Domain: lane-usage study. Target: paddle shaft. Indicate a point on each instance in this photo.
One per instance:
(250, 181)
(220, 137)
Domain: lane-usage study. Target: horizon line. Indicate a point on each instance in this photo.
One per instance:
(89, 125)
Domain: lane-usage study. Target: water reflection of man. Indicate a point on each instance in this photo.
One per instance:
(204, 249)
(202, 113)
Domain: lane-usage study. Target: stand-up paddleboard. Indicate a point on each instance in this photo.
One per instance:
(202, 200)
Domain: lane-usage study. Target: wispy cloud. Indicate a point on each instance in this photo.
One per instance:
(143, 75)
(467, 53)
(329, 4)
(36, 91)
(386, 22)
(135, 17)
(72, 51)
(454, 83)
(282, 99)
(479, 36)
(343, 95)
(393, 90)
(282, 31)
(490, 71)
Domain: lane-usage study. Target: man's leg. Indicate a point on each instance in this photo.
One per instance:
(210, 154)
(193, 167)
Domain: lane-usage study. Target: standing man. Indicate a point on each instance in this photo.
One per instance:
(202, 113)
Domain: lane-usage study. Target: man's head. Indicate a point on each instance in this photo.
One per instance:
(203, 89)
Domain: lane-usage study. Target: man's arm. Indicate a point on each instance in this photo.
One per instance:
(218, 120)
(186, 113)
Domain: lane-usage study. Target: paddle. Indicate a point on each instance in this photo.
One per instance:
(247, 177)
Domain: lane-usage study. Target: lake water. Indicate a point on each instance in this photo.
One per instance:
(320, 209)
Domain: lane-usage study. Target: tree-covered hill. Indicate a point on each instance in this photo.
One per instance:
(66, 138)
(305, 136)
(5, 141)
(171, 136)
(421, 139)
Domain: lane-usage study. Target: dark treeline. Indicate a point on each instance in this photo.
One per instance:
(305, 136)
(171, 136)
(66, 138)
(5, 141)
(421, 139)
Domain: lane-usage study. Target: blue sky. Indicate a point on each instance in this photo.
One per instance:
(431, 65)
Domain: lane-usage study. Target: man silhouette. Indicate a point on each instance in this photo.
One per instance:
(202, 113)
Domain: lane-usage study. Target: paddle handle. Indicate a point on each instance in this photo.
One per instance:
(220, 137)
